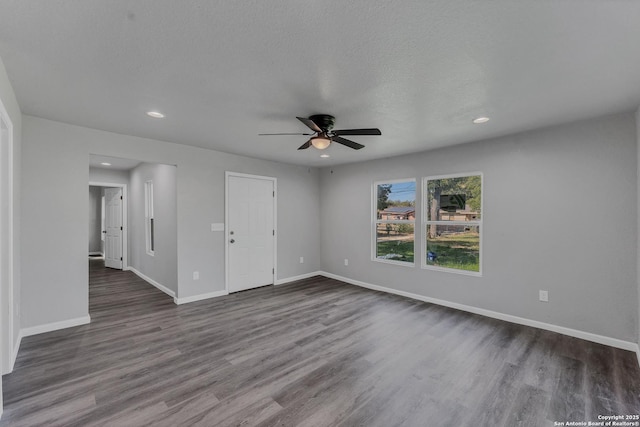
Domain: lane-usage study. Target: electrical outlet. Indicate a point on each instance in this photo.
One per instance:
(196, 275)
(301, 260)
(346, 261)
(544, 296)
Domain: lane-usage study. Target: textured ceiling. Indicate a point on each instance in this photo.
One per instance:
(224, 71)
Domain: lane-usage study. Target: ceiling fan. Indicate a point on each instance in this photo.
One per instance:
(322, 125)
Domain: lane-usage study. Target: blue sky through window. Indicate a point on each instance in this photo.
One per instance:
(403, 191)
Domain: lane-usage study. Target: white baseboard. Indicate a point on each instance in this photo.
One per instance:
(600, 339)
(148, 279)
(300, 277)
(96, 253)
(200, 297)
(16, 348)
(48, 327)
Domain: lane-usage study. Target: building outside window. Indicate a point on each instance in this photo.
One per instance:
(394, 214)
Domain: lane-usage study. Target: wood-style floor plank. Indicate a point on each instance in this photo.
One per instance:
(316, 352)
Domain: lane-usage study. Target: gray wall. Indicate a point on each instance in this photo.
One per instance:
(95, 219)
(13, 109)
(55, 286)
(162, 265)
(638, 237)
(560, 214)
(110, 176)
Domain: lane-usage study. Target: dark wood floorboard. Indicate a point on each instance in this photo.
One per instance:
(316, 352)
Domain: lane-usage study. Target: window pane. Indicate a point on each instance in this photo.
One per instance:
(454, 246)
(397, 201)
(394, 241)
(454, 199)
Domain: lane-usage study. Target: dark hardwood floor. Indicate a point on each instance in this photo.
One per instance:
(311, 353)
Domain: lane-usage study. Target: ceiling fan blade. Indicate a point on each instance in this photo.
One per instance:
(347, 142)
(305, 145)
(372, 131)
(310, 124)
(267, 134)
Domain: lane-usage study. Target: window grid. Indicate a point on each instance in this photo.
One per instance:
(468, 225)
(399, 224)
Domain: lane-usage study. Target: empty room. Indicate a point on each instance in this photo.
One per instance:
(319, 213)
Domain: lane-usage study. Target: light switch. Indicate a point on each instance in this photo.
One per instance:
(217, 226)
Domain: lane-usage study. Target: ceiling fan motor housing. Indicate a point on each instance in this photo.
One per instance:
(324, 121)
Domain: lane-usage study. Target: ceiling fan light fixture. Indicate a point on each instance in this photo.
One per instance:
(320, 142)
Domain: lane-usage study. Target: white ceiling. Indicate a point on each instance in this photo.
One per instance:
(224, 71)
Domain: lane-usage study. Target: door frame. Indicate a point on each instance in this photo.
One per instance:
(8, 353)
(227, 175)
(125, 216)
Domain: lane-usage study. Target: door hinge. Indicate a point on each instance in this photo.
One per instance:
(274, 232)
(120, 197)
(273, 271)
(120, 258)
(120, 228)
(274, 194)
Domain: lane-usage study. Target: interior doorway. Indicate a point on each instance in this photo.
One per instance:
(108, 223)
(149, 219)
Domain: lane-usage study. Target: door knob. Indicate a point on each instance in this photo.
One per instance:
(232, 241)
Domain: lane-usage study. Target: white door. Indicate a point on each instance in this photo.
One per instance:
(113, 228)
(250, 232)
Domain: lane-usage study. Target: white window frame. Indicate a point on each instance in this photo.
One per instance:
(149, 226)
(375, 221)
(426, 222)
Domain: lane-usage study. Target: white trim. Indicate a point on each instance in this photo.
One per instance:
(399, 263)
(600, 339)
(49, 327)
(125, 216)
(194, 298)
(274, 180)
(96, 253)
(452, 270)
(425, 223)
(149, 280)
(375, 221)
(149, 236)
(299, 277)
(453, 175)
(6, 347)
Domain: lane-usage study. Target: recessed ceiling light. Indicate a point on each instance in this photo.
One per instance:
(105, 164)
(479, 120)
(324, 156)
(155, 114)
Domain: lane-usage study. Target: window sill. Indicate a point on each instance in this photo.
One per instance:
(452, 270)
(400, 263)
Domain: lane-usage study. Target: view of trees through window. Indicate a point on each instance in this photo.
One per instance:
(453, 206)
(395, 221)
